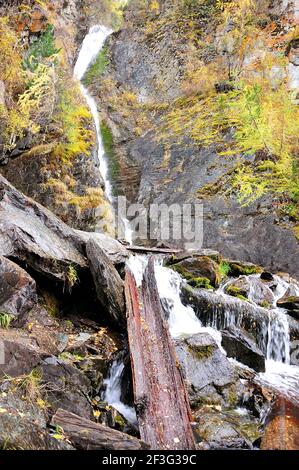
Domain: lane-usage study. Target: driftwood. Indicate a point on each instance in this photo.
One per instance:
(160, 397)
(87, 435)
(146, 249)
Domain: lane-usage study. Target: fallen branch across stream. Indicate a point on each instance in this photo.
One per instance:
(160, 397)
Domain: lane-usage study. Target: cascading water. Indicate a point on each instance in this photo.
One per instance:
(112, 394)
(91, 46)
(225, 310)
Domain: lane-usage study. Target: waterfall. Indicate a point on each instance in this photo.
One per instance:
(112, 394)
(91, 46)
(181, 319)
(219, 310)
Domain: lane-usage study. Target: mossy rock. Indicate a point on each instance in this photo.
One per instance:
(236, 292)
(201, 352)
(238, 268)
(199, 271)
(200, 282)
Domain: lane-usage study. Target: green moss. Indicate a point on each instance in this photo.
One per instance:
(202, 352)
(198, 282)
(97, 68)
(43, 47)
(108, 144)
(120, 421)
(224, 268)
(238, 269)
(236, 292)
(192, 281)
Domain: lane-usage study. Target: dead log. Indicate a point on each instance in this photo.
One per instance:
(161, 401)
(87, 435)
(146, 249)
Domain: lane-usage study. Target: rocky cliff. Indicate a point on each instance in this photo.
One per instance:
(167, 59)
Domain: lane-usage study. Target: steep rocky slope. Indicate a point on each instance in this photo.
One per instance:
(165, 57)
(48, 145)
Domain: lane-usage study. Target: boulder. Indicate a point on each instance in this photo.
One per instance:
(108, 283)
(64, 386)
(205, 368)
(241, 347)
(266, 276)
(291, 304)
(23, 423)
(226, 430)
(31, 234)
(19, 353)
(253, 288)
(239, 268)
(196, 269)
(17, 289)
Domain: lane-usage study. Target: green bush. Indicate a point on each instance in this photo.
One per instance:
(43, 47)
(97, 68)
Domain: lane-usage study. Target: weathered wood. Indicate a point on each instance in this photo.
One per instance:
(282, 426)
(145, 249)
(87, 435)
(160, 397)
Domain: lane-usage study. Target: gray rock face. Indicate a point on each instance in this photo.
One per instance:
(205, 368)
(65, 387)
(175, 174)
(239, 346)
(19, 353)
(17, 288)
(109, 286)
(23, 425)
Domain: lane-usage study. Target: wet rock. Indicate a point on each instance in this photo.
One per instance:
(87, 435)
(282, 427)
(205, 368)
(266, 276)
(291, 304)
(109, 416)
(23, 424)
(241, 347)
(17, 289)
(221, 310)
(65, 387)
(238, 288)
(238, 268)
(197, 269)
(109, 285)
(226, 430)
(252, 288)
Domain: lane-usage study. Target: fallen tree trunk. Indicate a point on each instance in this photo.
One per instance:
(146, 249)
(87, 435)
(160, 397)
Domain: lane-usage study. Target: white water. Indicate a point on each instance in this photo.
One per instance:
(112, 393)
(279, 375)
(182, 319)
(91, 46)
